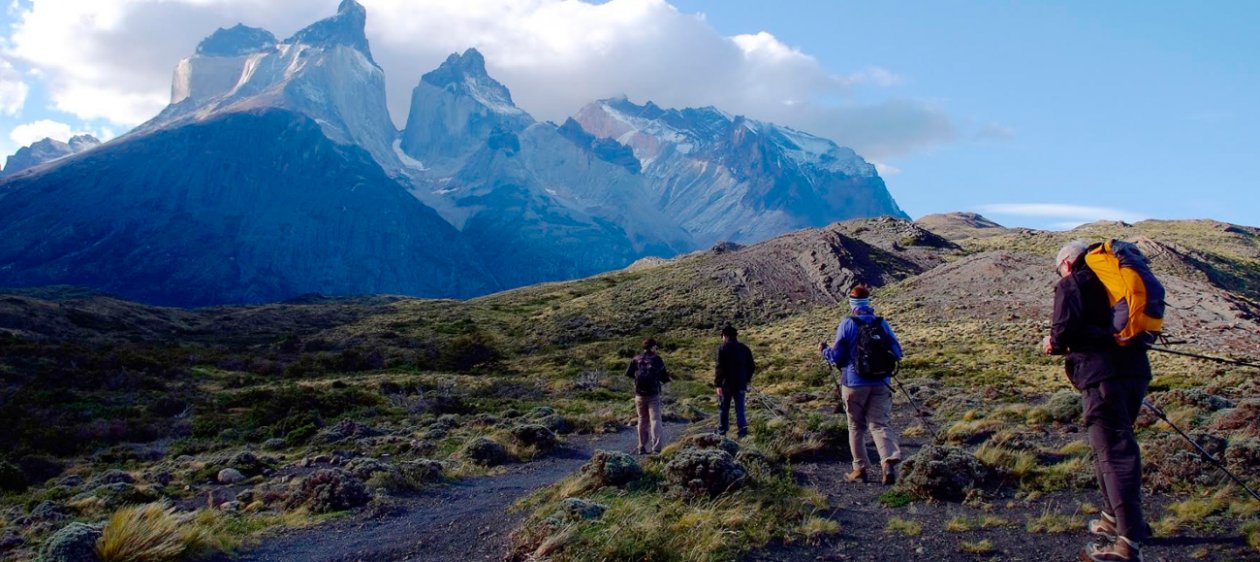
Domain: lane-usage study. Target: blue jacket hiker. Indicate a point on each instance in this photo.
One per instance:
(867, 401)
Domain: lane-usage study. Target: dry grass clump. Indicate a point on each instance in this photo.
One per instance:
(1050, 522)
(151, 533)
(977, 547)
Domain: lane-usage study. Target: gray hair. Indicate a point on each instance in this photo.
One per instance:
(1070, 252)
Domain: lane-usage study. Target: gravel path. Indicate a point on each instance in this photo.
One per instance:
(863, 522)
(465, 520)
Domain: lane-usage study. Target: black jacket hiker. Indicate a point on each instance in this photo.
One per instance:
(1082, 328)
(657, 374)
(735, 367)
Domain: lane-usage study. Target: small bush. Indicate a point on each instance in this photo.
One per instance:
(903, 527)
(329, 490)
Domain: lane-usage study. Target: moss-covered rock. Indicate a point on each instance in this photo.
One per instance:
(612, 468)
(710, 441)
(579, 509)
(75, 542)
(704, 472)
(944, 473)
(1065, 406)
(535, 435)
(485, 452)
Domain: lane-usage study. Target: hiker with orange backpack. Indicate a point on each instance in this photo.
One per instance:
(1101, 319)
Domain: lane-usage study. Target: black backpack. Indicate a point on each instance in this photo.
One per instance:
(647, 379)
(874, 358)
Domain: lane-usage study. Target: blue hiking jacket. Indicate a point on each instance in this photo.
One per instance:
(841, 353)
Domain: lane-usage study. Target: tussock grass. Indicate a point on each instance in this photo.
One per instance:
(977, 547)
(903, 527)
(151, 533)
(1050, 522)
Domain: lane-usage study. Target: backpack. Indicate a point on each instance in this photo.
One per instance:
(874, 358)
(1135, 294)
(647, 380)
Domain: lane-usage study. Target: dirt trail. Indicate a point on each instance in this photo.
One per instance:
(465, 520)
(863, 521)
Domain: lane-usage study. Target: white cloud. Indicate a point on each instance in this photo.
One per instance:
(113, 59)
(885, 170)
(1062, 215)
(28, 133)
(13, 89)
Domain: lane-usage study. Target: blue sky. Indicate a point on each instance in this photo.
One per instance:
(1034, 114)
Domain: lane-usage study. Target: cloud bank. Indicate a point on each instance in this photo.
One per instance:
(112, 60)
(1062, 216)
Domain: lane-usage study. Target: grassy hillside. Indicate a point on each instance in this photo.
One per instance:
(108, 403)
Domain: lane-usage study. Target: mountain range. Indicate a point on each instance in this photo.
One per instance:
(276, 171)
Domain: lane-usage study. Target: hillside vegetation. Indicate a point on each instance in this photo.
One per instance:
(239, 419)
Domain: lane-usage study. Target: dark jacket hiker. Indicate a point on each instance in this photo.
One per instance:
(1113, 381)
(731, 375)
(649, 373)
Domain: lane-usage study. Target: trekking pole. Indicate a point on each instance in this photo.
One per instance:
(1202, 452)
(839, 409)
(919, 412)
(1207, 357)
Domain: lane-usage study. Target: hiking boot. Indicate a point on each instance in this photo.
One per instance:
(856, 475)
(1122, 550)
(1104, 526)
(641, 451)
(890, 471)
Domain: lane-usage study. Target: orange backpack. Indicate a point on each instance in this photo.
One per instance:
(1136, 296)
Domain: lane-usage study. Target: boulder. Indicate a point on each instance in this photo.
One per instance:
(229, 476)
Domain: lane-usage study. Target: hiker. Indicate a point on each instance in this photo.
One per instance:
(649, 373)
(732, 374)
(1113, 381)
(867, 396)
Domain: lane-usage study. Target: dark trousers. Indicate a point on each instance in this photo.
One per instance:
(1111, 408)
(740, 420)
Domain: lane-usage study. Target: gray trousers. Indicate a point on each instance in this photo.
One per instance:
(649, 410)
(869, 408)
(1111, 409)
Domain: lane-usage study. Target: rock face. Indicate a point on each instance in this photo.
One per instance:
(540, 203)
(726, 177)
(45, 151)
(201, 222)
